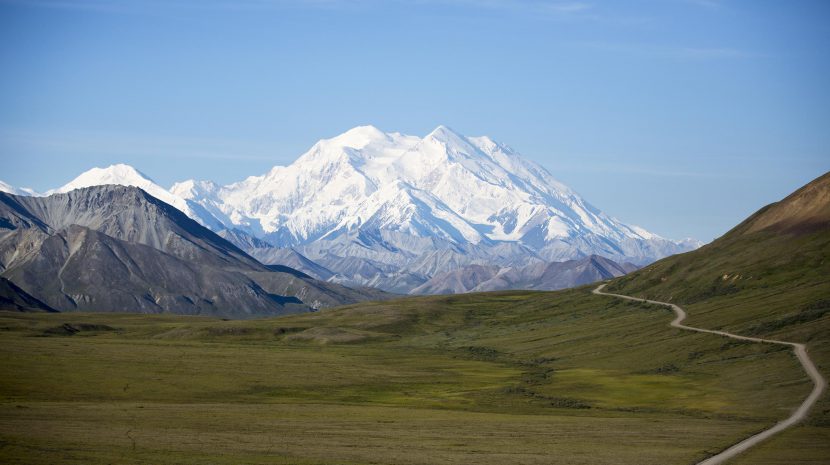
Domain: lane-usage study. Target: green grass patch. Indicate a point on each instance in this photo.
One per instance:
(508, 377)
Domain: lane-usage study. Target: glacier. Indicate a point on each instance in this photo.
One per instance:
(391, 210)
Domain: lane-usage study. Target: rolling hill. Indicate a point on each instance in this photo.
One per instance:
(767, 277)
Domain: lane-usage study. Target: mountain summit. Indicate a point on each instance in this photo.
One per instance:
(125, 175)
(444, 186)
(393, 210)
(115, 248)
(420, 206)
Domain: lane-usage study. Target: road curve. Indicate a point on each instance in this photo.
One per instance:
(800, 350)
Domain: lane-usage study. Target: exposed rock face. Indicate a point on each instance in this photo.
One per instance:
(114, 248)
(392, 211)
(14, 298)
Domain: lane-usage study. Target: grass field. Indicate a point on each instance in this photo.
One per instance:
(513, 377)
(764, 284)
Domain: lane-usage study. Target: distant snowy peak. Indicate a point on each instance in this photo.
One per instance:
(8, 188)
(360, 137)
(395, 197)
(120, 174)
(690, 243)
(445, 185)
(192, 189)
(125, 175)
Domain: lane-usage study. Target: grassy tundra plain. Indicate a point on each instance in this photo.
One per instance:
(505, 377)
(510, 377)
(768, 277)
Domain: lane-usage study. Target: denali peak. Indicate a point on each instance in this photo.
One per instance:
(445, 186)
(382, 209)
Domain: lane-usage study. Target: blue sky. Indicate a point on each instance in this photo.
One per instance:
(682, 116)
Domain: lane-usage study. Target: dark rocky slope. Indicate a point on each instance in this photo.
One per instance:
(115, 248)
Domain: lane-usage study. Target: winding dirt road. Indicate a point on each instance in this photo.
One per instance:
(800, 350)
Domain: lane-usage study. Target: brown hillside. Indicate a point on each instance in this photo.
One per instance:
(805, 210)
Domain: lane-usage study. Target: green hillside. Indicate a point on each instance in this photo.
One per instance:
(768, 277)
(511, 377)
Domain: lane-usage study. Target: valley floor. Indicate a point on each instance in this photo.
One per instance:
(510, 377)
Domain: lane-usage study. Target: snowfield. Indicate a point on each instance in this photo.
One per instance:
(406, 207)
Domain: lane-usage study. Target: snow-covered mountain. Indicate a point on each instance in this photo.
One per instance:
(392, 210)
(8, 188)
(404, 192)
(126, 175)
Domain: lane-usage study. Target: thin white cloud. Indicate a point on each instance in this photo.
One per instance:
(570, 7)
(711, 4)
(14, 141)
(560, 7)
(86, 5)
(723, 52)
(574, 10)
(666, 51)
(132, 6)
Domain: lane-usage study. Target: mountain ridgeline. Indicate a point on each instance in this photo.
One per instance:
(115, 248)
(538, 276)
(392, 211)
(782, 249)
(768, 277)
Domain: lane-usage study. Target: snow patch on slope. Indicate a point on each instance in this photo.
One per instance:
(125, 175)
(407, 207)
(8, 188)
